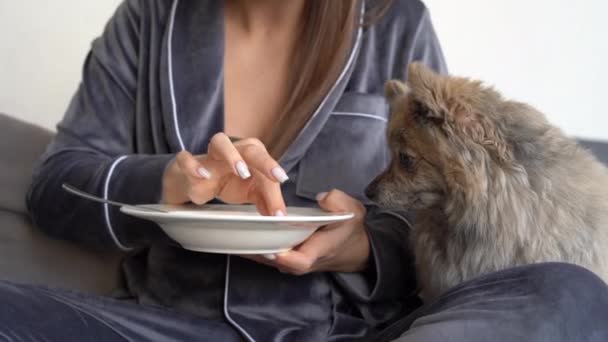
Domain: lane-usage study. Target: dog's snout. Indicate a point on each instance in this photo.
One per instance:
(372, 189)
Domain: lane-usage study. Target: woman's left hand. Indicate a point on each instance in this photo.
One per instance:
(339, 247)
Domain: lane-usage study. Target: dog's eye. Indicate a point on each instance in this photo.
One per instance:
(406, 161)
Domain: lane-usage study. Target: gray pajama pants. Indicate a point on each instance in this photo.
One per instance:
(549, 302)
(545, 302)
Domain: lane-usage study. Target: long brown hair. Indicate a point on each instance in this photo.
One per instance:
(324, 42)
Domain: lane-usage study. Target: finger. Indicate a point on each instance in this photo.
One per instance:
(267, 195)
(233, 189)
(336, 201)
(221, 148)
(268, 260)
(260, 259)
(295, 262)
(323, 252)
(191, 166)
(322, 243)
(306, 257)
(260, 206)
(200, 192)
(256, 156)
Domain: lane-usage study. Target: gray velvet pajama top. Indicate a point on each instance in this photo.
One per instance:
(152, 85)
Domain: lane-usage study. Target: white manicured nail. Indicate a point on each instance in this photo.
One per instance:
(279, 213)
(321, 196)
(269, 256)
(242, 169)
(279, 174)
(204, 173)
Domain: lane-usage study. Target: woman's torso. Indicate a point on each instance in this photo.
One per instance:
(180, 105)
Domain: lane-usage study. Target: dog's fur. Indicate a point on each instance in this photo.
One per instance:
(493, 184)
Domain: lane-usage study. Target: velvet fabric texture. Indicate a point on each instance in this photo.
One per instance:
(152, 86)
(536, 303)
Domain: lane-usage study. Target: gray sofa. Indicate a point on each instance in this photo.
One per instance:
(28, 256)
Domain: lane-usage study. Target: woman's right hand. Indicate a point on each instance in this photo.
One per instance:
(236, 173)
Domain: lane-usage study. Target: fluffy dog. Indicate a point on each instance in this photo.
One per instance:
(493, 184)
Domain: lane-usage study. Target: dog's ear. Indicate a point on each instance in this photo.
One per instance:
(395, 89)
(426, 87)
(420, 77)
(425, 114)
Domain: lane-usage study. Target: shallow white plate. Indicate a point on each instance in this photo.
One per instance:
(235, 229)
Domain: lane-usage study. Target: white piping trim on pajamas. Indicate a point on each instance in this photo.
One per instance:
(182, 146)
(170, 65)
(363, 115)
(342, 74)
(226, 313)
(106, 207)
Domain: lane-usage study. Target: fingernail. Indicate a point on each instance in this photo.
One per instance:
(269, 256)
(321, 196)
(242, 169)
(279, 174)
(204, 173)
(279, 213)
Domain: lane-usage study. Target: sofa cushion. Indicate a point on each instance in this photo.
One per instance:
(28, 256)
(21, 145)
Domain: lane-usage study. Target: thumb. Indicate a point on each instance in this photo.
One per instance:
(336, 200)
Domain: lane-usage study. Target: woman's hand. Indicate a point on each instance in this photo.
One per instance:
(340, 247)
(242, 172)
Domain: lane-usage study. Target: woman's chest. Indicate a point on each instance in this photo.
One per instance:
(255, 88)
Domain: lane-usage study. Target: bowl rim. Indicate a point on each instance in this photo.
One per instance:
(197, 213)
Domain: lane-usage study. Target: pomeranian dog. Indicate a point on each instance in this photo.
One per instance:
(492, 183)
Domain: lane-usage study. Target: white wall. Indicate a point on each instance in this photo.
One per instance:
(551, 53)
(42, 47)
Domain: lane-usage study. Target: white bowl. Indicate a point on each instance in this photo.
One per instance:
(235, 229)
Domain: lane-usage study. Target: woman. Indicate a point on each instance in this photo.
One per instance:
(299, 84)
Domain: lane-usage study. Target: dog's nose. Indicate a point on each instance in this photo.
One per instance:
(372, 189)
